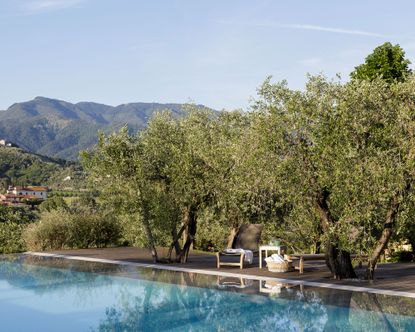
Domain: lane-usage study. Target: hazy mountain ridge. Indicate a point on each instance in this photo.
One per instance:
(61, 129)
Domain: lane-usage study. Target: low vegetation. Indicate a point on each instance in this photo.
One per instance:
(11, 237)
(82, 224)
(13, 222)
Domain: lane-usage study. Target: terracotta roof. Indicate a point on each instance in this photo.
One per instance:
(31, 188)
(37, 188)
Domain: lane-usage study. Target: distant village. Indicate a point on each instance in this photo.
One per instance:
(6, 143)
(24, 195)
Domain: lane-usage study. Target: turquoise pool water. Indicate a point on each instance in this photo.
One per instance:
(49, 294)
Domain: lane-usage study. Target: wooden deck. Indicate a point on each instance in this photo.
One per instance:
(392, 277)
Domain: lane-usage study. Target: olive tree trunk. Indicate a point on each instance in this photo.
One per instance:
(231, 237)
(175, 242)
(147, 230)
(338, 261)
(150, 240)
(191, 223)
(387, 232)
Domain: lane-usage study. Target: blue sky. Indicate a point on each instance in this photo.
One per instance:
(209, 52)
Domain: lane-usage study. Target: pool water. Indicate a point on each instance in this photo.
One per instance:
(51, 294)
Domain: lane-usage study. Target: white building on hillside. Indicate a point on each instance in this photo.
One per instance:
(3, 142)
(39, 192)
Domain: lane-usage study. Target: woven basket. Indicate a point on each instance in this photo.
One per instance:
(280, 266)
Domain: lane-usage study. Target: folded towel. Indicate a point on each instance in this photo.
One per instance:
(249, 255)
(269, 259)
(233, 251)
(275, 258)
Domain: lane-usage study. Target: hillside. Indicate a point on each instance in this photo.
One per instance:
(20, 167)
(60, 129)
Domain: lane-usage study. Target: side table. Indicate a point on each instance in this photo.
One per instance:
(280, 249)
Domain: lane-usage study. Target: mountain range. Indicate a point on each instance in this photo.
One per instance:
(61, 129)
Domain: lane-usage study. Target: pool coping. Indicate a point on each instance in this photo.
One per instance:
(229, 274)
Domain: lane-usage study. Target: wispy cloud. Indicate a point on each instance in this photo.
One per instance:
(37, 6)
(311, 27)
(329, 29)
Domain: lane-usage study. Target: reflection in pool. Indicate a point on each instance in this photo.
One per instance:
(50, 294)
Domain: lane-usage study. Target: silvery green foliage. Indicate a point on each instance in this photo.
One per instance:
(355, 141)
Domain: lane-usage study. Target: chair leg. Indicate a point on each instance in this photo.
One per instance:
(242, 261)
(301, 265)
(260, 258)
(218, 260)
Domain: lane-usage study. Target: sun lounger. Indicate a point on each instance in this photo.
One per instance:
(310, 257)
(305, 257)
(246, 243)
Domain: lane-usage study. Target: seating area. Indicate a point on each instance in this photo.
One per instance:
(244, 246)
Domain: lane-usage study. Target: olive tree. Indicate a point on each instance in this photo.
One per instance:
(116, 167)
(343, 155)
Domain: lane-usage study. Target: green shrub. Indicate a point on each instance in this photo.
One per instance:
(13, 222)
(81, 228)
(93, 230)
(11, 237)
(18, 215)
(49, 233)
(53, 203)
(401, 256)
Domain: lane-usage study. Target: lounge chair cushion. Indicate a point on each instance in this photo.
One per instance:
(248, 237)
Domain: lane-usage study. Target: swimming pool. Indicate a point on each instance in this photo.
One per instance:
(53, 294)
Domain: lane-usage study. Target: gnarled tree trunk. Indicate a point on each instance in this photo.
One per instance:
(149, 234)
(388, 229)
(175, 242)
(231, 236)
(191, 222)
(338, 261)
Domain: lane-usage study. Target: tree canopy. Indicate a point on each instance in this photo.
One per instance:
(330, 167)
(387, 61)
(344, 157)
